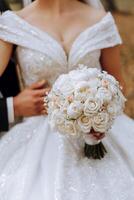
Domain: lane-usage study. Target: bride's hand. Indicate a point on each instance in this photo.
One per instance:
(97, 135)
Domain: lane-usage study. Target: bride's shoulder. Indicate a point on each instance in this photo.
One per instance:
(26, 11)
(93, 14)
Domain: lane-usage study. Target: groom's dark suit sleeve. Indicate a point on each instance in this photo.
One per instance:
(9, 87)
(3, 104)
(4, 125)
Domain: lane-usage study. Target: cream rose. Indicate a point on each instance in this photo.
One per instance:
(80, 97)
(69, 127)
(74, 110)
(82, 89)
(100, 122)
(65, 126)
(84, 124)
(92, 106)
(56, 118)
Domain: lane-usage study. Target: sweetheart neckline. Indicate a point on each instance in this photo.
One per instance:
(43, 32)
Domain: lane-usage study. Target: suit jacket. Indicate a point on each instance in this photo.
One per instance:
(3, 6)
(9, 86)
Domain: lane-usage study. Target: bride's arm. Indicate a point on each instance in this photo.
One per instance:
(111, 62)
(5, 54)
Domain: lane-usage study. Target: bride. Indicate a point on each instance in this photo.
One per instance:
(36, 163)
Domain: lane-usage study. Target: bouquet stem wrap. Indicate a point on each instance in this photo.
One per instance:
(96, 151)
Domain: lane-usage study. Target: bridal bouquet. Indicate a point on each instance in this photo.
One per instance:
(83, 100)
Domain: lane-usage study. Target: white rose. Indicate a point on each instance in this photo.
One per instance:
(82, 86)
(58, 121)
(74, 110)
(77, 76)
(94, 83)
(104, 94)
(84, 124)
(90, 72)
(63, 86)
(82, 89)
(80, 96)
(67, 89)
(92, 106)
(93, 72)
(83, 73)
(100, 122)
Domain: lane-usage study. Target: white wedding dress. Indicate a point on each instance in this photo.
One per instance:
(37, 163)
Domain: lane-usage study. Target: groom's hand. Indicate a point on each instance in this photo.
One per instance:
(30, 101)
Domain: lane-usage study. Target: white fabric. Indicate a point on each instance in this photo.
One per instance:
(10, 109)
(36, 163)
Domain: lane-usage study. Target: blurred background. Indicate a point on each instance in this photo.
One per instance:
(123, 11)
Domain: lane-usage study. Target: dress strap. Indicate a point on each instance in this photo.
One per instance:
(102, 35)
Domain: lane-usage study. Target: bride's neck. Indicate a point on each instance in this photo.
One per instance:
(56, 6)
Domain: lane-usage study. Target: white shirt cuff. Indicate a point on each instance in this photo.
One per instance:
(10, 110)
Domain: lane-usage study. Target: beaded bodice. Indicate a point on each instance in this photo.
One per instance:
(40, 56)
